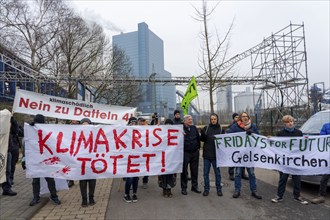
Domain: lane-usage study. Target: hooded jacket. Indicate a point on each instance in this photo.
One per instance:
(207, 136)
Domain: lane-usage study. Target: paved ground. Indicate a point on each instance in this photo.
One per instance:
(17, 207)
(151, 204)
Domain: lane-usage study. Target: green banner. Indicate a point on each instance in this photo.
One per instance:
(190, 94)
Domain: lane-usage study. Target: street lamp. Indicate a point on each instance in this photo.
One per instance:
(152, 79)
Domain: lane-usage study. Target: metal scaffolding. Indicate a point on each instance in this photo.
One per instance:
(282, 68)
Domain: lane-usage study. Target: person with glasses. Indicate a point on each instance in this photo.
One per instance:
(231, 170)
(244, 124)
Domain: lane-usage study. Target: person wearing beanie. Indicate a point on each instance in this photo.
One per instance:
(40, 119)
(177, 118)
(90, 182)
(85, 121)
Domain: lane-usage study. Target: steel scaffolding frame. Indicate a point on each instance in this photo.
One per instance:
(282, 66)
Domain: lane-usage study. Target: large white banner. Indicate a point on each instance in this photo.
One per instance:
(32, 103)
(308, 155)
(101, 151)
(5, 116)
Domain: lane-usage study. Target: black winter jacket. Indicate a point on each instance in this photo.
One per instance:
(191, 139)
(286, 133)
(207, 136)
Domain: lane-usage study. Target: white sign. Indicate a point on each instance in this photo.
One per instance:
(5, 116)
(308, 155)
(51, 106)
(103, 151)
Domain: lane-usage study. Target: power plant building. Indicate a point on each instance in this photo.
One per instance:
(246, 100)
(146, 52)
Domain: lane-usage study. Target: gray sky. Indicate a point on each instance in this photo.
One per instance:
(173, 22)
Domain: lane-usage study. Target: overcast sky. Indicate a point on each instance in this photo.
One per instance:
(173, 22)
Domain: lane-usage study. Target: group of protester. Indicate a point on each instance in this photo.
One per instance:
(192, 145)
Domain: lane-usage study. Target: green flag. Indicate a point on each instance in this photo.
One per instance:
(190, 94)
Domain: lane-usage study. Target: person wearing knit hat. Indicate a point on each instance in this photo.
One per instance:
(90, 182)
(177, 118)
(40, 119)
(85, 121)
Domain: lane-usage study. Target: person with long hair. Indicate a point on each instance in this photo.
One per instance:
(244, 124)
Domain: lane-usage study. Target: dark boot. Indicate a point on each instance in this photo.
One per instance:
(84, 202)
(165, 193)
(91, 200)
(169, 193)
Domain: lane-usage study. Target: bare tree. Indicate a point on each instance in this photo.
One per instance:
(53, 39)
(29, 26)
(213, 54)
(78, 55)
(118, 68)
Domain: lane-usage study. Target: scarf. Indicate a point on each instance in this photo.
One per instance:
(246, 126)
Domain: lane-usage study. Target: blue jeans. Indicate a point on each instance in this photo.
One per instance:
(282, 185)
(131, 181)
(238, 178)
(207, 166)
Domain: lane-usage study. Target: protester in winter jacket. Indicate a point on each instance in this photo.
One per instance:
(245, 125)
(177, 118)
(209, 154)
(190, 155)
(231, 170)
(289, 131)
(325, 178)
(40, 119)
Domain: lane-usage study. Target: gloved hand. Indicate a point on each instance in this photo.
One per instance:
(248, 132)
(23, 163)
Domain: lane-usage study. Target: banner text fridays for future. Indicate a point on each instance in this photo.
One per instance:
(32, 103)
(308, 155)
(102, 151)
